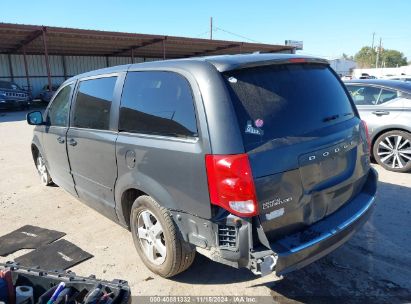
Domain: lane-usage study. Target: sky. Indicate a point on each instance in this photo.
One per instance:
(327, 28)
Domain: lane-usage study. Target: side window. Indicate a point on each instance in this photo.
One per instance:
(364, 95)
(93, 103)
(387, 95)
(58, 111)
(157, 103)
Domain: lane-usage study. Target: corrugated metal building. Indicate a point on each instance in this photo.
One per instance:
(61, 68)
(343, 67)
(34, 56)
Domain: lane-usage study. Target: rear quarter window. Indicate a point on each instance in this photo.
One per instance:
(286, 101)
(158, 103)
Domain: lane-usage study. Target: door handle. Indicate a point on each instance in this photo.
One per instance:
(379, 113)
(60, 140)
(72, 142)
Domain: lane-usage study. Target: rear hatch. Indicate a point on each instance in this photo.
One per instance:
(305, 142)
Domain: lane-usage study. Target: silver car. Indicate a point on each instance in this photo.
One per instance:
(385, 105)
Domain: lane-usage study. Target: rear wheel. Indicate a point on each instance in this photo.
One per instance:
(392, 150)
(45, 177)
(158, 240)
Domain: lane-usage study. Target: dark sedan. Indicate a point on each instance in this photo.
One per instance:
(46, 94)
(386, 107)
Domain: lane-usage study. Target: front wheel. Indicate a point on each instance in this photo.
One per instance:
(392, 150)
(158, 240)
(45, 177)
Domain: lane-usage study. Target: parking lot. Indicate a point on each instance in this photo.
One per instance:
(375, 263)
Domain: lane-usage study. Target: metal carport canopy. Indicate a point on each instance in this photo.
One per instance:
(36, 40)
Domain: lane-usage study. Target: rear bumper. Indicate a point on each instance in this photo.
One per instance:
(300, 249)
(282, 256)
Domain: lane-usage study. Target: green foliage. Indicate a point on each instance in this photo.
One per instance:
(345, 56)
(393, 58)
(366, 58)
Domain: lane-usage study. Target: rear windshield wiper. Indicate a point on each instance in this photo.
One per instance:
(336, 116)
(332, 117)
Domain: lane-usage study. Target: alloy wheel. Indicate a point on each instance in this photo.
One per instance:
(41, 168)
(394, 151)
(151, 237)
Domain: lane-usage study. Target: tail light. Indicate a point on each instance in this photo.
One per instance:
(365, 127)
(231, 184)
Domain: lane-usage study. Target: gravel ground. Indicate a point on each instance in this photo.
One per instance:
(374, 266)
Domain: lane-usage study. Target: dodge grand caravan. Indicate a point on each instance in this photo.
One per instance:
(259, 161)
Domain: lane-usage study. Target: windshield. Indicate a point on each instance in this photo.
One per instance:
(286, 100)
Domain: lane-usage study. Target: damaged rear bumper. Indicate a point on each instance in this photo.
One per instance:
(238, 242)
(300, 249)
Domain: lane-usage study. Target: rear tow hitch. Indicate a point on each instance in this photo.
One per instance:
(265, 265)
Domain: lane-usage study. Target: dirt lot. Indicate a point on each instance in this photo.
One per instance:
(375, 263)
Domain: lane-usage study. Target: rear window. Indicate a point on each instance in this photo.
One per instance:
(286, 101)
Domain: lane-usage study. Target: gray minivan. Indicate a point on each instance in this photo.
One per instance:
(258, 161)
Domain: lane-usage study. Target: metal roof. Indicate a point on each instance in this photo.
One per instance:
(14, 38)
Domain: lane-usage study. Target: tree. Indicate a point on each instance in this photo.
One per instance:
(366, 58)
(345, 56)
(393, 58)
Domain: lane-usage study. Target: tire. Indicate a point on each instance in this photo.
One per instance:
(45, 177)
(161, 249)
(392, 150)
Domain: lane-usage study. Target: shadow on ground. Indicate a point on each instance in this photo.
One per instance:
(14, 115)
(205, 271)
(373, 267)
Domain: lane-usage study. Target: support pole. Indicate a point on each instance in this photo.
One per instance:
(132, 55)
(211, 28)
(378, 55)
(63, 60)
(26, 69)
(46, 57)
(164, 48)
(10, 68)
(107, 62)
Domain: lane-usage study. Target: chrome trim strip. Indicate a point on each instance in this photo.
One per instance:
(340, 227)
(163, 137)
(357, 215)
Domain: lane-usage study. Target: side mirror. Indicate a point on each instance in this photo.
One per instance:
(35, 118)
